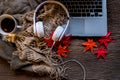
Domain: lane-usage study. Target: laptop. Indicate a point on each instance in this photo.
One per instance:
(87, 17)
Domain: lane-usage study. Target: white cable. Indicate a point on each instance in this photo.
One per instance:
(73, 60)
(34, 28)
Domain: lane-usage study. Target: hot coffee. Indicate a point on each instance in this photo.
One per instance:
(7, 25)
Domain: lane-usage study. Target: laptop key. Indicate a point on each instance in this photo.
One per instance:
(78, 7)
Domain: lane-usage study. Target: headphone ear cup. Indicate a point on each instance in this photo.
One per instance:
(39, 29)
(57, 33)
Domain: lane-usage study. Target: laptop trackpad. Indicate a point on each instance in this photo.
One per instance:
(77, 26)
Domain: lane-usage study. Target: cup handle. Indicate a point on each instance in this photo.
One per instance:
(19, 26)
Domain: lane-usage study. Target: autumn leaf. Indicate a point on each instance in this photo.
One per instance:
(90, 44)
(101, 52)
(105, 40)
(66, 40)
(62, 51)
(49, 41)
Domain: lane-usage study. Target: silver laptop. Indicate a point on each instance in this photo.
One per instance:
(88, 17)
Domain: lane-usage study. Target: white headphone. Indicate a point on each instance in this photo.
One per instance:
(38, 26)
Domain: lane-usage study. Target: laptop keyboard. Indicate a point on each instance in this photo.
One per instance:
(83, 8)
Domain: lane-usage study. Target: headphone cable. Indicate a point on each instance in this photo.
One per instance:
(73, 60)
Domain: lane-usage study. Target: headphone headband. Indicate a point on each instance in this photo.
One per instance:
(55, 2)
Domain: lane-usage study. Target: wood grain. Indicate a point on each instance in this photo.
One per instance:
(97, 69)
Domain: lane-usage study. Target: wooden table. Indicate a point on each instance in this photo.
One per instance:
(97, 69)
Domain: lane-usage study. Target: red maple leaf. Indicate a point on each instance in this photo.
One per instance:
(66, 40)
(105, 40)
(90, 44)
(101, 52)
(49, 41)
(62, 51)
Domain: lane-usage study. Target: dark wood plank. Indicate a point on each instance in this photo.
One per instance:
(96, 68)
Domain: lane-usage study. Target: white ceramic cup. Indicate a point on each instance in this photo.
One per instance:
(8, 24)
